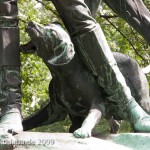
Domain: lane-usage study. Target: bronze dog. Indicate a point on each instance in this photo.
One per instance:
(73, 89)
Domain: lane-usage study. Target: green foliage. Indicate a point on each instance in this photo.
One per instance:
(35, 75)
(122, 38)
(35, 78)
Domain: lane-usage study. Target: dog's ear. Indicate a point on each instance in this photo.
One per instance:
(55, 22)
(63, 54)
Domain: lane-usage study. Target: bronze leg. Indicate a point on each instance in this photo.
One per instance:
(90, 41)
(10, 81)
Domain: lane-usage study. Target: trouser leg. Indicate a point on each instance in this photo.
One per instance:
(93, 6)
(90, 41)
(135, 13)
(10, 81)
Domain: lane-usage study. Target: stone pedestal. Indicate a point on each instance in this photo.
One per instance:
(66, 141)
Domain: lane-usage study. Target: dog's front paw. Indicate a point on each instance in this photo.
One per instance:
(82, 133)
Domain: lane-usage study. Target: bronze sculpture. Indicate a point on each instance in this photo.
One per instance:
(77, 17)
(73, 89)
(10, 81)
(135, 13)
(96, 54)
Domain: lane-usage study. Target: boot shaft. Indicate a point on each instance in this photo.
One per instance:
(10, 81)
(9, 47)
(9, 33)
(10, 88)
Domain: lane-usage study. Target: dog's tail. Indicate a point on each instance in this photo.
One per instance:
(36, 120)
(146, 70)
(47, 115)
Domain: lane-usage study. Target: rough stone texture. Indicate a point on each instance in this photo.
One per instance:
(134, 141)
(66, 141)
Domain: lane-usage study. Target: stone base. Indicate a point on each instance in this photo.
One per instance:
(66, 141)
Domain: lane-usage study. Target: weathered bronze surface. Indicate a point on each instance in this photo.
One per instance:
(96, 55)
(135, 13)
(73, 89)
(92, 46)
(10, 81)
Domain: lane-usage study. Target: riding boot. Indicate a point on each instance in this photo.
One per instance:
(10, 81)
(98, 58)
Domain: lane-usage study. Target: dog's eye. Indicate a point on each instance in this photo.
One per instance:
(54, 33)
(51, 33)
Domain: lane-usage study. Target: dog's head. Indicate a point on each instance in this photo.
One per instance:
(53, 43)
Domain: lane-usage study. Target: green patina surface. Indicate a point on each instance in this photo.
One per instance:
(134, 141)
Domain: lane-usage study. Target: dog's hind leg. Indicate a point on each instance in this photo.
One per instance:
(114, 125)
